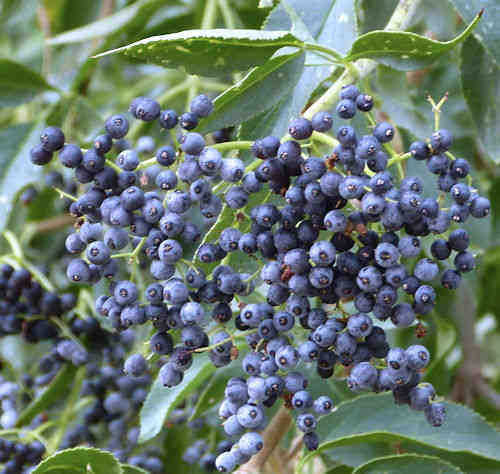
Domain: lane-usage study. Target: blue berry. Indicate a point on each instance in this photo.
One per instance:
(346, 108)
(322, 121)
(300, 128)
(117, 126)
(52, 139)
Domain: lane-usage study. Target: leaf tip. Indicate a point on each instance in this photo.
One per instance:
(480, 14)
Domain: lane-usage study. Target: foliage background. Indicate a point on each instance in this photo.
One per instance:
(47, 76)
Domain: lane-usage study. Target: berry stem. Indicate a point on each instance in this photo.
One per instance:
(236, 145)
(113, 165)
(436, 108)
(398, 159)
(324, 138)
(63, 194)
(14, 244)
(224, 341)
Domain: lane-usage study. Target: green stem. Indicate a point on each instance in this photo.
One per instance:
(14, 244)
(236, 145)
(66, 331)
(17, 262)
(224, 341)
(113, 165)
(397, 159)
(226, 146)
(400, 20)
(337, 57)
(63, 194)
(209, 15)
(227, 14)
(324, 138)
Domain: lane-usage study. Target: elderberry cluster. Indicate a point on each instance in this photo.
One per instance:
(340, 243)
(115, 398)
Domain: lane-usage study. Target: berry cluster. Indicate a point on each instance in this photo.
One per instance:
(340, 245)
(16, 455)
(38, 315)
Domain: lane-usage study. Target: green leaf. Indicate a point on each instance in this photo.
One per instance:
(79, 460)
(260, 89)
(406, 462)
(128, 469)
(375, 15)
(321, 18)
(107, 25)
(313, 14)
(209, 52)
(339, 29)
(57, 389)
(379, 419)
(487, 31)
(404, 50)
(340, 470)
(161, 400)
(19, 84)
(356, 454)
(16, 169)
(481, 86)
(65, 15)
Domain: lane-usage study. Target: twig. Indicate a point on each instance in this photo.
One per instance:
(53, 223)
(272, 436)
(469, 382)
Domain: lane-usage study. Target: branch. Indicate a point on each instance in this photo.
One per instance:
(272, 436)
(359, 69)
(470, 382)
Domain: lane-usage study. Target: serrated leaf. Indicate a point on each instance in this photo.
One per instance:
(55, 391)
(481, 87)
(128, 469)
(19, 84)
(404, 50)
(407, 462)
(79, 460)
(162, 400)
(379, 419)
(487, 31)
(260, 89)
(209, 52)
(16, 169)
(105, 26)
